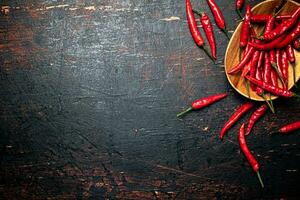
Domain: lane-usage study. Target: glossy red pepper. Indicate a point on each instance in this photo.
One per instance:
(257, 114)
(261, 59)
(267, 46)
(203, 102)
(290, 127)
(274, 78)
(245, 32)
(290, 37)
(209, 33)
(235, 116)
(269, 25)
(270, 88)
(263, 18)
(218, 16)
(290, 54)
(283, 27)
(239, 4)
(250, 158)
(253, 65)
(258, 75)
(278, 66)
(285, 67)
(243, 62)
(193, 25)
(267, 69)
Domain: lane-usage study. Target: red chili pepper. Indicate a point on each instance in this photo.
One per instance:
(267, 69)
(290, 54)
(203, 102)
(296, 44)
(261, 59)
(245, 32)
(283, 27)
(263, 18)
(258, 76)
(285, 67)
(256, 116)
(278, 66)
(218, 16)
(272, 89)
(294, 34)
(290, 127)
(193, 25)
(267, 46)
(272, 55)
(235, 116)
(274, 78)
(253, 65)
(250, 158)
(209, 33)
(270, 25)
(243, 62)
(239, 4)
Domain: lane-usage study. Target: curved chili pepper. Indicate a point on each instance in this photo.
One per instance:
(285, 67)
(272, 89)
(250, 158)
(253, 65)
(283, 27)
(218, 16)
(235, 116)
(267, 46)
(257, 114)
(295, 33)
(244, 36)
(203, 102)
(263, 18)
(290, 127)
(243, 62)
(209, 33)
(239, 4)
(267, 69)
(193, 25)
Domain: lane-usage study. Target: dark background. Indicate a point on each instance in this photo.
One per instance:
(88, 102)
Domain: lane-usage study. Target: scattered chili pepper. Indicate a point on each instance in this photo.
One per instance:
(290, 127)
(239, 5)
(235, 116)
(245, 32)
(256, 116)
(272, 89)
(250, 158)
(209, 33)
(203, 102)
(218, 16)
(295, 33)
(243, 62)
(193, 27)
(283, 27)
(285, 68)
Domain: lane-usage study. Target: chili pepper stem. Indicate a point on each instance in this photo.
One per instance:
(184, 112)
(260, 180)
(296, 95)
(239, 13)
(226, 33)
(208, 54)
(268, 103)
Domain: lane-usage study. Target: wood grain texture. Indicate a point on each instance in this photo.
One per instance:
(233, 50)
(88, 102)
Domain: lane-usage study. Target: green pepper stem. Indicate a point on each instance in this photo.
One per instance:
(296, 95)
(268, 103)
(274, 65)
(184, 112)
(239, 13)
(260, 180)
(226, 33)
(208, 54)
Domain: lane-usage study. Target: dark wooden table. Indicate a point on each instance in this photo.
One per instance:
(88, 102)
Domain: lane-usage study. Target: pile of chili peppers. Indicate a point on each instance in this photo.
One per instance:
(264, 63)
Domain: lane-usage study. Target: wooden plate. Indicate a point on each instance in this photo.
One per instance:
(233, 49)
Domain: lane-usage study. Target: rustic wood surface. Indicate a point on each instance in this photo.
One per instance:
(88, 102)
